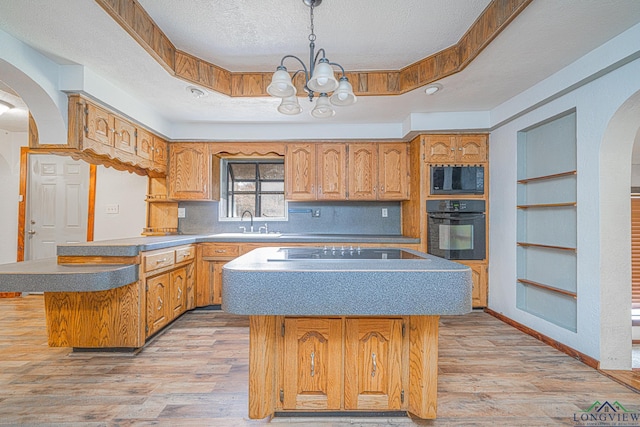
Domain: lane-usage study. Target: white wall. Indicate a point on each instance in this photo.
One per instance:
(10, 143)
(604, 330)
(127, 191)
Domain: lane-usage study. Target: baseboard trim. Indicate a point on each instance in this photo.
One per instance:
(587, 360)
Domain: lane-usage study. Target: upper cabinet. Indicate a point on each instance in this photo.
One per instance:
(455, 148)
(331, 171)
(340, 171)
(378, 171)
(189, 171)
(300, 171)
(102, 136)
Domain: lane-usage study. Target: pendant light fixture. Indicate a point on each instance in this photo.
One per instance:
(319, 81)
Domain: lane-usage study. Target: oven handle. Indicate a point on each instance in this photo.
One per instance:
(455, 216)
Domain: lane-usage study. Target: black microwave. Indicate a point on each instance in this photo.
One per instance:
(457, 179)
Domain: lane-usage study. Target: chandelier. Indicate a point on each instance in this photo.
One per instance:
(319, 79)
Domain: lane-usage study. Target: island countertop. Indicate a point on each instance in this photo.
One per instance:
(263, 282)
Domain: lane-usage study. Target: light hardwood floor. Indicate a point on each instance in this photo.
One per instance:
(196, 374)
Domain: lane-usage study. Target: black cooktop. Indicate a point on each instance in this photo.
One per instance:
(342, 253)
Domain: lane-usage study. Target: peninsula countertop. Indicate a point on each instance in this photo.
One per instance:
(48, 276)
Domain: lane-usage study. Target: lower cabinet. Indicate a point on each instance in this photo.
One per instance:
(342, 363)
(158, 294)
(169, 278)
(480, 285)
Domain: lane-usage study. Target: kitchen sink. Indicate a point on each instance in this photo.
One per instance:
(248, 235)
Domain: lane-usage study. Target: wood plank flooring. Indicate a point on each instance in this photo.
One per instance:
(196, 374)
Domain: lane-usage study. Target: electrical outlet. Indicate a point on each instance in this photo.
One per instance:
(315, 213)
(385, 213)
(182, 212)
(112, 209)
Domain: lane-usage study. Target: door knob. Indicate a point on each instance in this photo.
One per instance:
(31, 232)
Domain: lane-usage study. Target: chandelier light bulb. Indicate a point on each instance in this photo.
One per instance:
(290, 106)
(344, 95)
(323, 108)
(281, 85)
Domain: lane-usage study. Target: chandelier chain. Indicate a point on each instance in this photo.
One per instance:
(312, 36)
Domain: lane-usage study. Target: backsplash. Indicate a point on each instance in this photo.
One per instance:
(335, 218)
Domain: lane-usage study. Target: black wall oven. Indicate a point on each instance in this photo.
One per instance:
(456, 229)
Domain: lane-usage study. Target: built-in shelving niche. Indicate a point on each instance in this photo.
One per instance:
(546, 250)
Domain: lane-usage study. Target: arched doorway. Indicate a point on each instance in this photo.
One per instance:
(615, 234)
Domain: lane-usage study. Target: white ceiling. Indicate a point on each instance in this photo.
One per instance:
(247, 35)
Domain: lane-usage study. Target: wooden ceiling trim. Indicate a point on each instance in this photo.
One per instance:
(137, 22)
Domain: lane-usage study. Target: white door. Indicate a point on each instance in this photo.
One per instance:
(57, 204)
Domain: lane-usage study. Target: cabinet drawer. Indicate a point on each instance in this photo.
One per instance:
(216, 250)
(159, 260)
(185, 254)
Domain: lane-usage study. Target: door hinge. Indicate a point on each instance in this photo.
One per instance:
(146, 288)
(403, 330)
(281, 396)
(282, 329)
(146, 328)
(402, 396)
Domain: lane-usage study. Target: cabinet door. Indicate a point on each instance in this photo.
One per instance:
(157, 303)
(178, 279)
(479, 292)
(471, 149)
(144, 145)
(332, 172)
(363, 171)
(217, 281)
(99, 125)
(160, 152)
(124, 138)
(373, 364)
(440, 148)
(300, 171)
(190, 300)
(189, 171)
(393, 167)
(312, 363)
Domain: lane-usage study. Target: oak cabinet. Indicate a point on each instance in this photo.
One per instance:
(102, 136)
(315, 171)
(363, 171)
(313, 363)
(124, 136)
(178, 280)
(393, 171)
(158, 294)
(160, 153)
(324, 368)
(480, 285)
(456, 148)
(378, 171)
(373, 364)
(300, 171)
(331, 171)
(169, 279)
(211, 258)
(189, 171)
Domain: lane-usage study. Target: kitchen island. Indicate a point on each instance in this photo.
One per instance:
(344, 330)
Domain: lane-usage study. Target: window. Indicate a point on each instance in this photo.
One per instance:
(256, 186)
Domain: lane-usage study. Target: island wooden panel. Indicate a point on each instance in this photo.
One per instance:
(135, 20)
(423, 366)
(112, 318)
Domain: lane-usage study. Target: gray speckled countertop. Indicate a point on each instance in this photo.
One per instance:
(135, 245)
(48, 276)
(45, 275)
(259, 283)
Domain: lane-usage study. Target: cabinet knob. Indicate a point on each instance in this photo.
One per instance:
(374, 365)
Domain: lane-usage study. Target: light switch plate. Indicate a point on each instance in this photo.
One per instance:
(112, 209)
(182, 212)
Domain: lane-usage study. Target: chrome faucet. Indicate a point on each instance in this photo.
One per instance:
(251, 215)
(265, 228)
